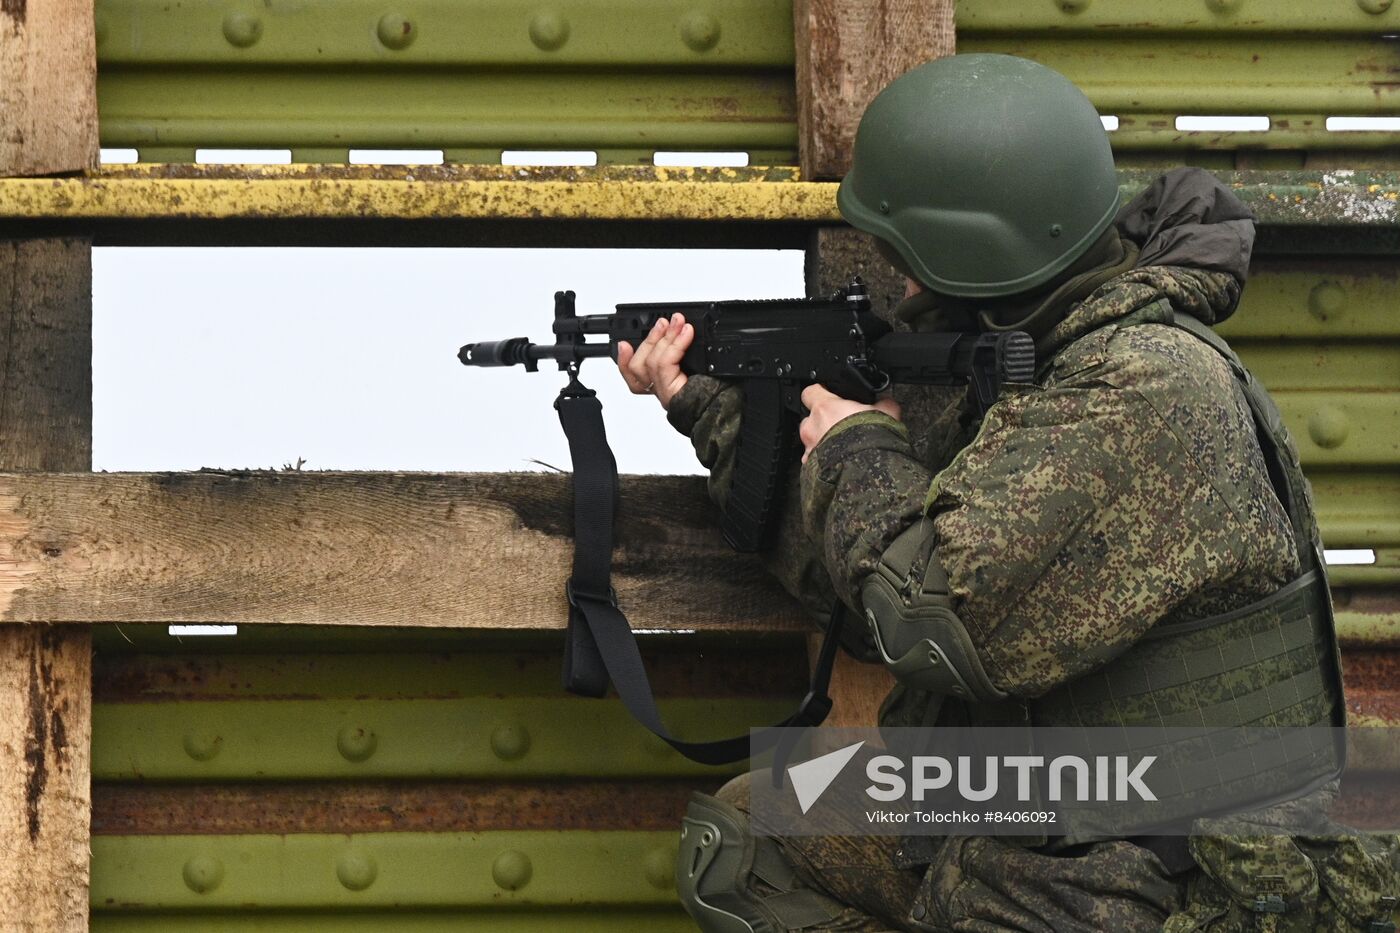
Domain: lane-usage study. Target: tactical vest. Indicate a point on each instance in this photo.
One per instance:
(1272, 663)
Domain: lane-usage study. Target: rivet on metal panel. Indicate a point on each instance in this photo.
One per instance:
(396, 31)
(549, 30)
(512, 870)
(203, 873)
(1327, 301)
(356, 870)
(1374, 7)
(1224, 6)
(202, 746)
(660, 867)
(1328, 426)
(1072, 6)
(242, 30)
(699, 30)
(510, 742)
(356, 743)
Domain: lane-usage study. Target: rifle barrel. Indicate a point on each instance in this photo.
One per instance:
(520, 351)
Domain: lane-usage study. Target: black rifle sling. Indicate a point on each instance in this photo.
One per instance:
(599, 644)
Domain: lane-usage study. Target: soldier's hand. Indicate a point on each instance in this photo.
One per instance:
(826, 408)
(654, 368)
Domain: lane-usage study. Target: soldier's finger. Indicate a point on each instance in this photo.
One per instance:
(815, 394)
(670, 378)
(679, 339)
(625, 352)
(638, 365)
(656, 360)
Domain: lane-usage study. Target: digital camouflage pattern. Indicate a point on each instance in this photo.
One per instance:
(1125, 487)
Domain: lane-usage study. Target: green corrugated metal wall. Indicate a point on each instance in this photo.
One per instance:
(414, 781)
(373, 779)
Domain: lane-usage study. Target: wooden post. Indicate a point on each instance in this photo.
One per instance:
(847, 51)
(48, 87)
(45, 671)
(48, 125)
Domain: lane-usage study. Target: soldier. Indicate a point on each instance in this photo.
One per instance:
(1074, 533)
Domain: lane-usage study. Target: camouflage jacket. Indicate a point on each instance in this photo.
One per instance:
(1123, 487)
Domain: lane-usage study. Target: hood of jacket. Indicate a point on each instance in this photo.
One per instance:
(1186, 238)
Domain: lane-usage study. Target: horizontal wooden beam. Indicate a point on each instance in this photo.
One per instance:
(471, 551)
(464, 550)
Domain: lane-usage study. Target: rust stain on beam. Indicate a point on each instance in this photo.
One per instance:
(697, 668)
(1371, 679)
(390, 806)
(1369, 801)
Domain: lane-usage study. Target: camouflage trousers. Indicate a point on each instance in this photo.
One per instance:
(988, 885)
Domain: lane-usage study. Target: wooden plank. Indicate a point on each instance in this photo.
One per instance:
(463, 550)
(45, 365)
(45, 672)
(847, 51)
(857, 689)
(45, 737)
(48, 87)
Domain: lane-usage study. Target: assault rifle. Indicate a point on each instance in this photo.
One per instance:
(774, 349)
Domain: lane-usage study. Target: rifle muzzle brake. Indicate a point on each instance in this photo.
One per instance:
(510, 352)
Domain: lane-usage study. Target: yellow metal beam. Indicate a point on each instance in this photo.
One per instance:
(1364, 204)
(421, 193)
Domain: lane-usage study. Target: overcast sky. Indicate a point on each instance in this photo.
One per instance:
(221, 357)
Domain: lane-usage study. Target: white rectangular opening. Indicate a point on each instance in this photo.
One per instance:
(1110, 123)
(700, 159)
(395, 156)
(326, 354)
(118, 156)
(549, 157)
(1362, 124)
(1349, 557)
(243, 156)
(1223, 124)
(202, 630)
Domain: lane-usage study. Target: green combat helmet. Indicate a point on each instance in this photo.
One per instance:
(987, 174)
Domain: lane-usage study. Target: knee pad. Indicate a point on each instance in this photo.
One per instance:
(714, 867)
(720, 866)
